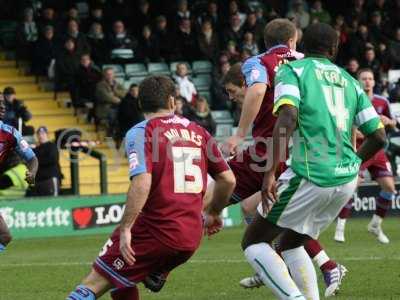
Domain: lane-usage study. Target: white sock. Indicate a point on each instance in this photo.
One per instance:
(341, 223)
(302, 271)
(376, 220)
(321, 258)
(273, 271)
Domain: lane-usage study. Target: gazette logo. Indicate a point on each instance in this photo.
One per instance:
(97, 216)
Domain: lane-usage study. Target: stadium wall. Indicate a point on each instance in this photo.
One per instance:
(68, 216)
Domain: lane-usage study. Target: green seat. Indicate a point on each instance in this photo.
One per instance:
(135, 70)
(202, 67)
(122, 53)
(222, 116)
(133, 80)
(202, 82)
(158, 69)
(118, 69)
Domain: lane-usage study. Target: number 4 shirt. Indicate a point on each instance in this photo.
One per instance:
(179, 154)
(329, 102)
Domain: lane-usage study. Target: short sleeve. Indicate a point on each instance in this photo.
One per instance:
(215, 159)
(254, 71)
(366, 118)
(136, 152)
(287, 90)
(22, 147)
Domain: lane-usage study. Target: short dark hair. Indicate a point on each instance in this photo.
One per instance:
(133, 85)
(234, 75)
(278, 31)
(154, 93)
(364, 70)
(320, 39)
(9, 90)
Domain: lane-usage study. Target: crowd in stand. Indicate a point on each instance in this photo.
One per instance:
(72, 49)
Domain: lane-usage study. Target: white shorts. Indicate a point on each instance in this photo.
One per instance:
(305, 207)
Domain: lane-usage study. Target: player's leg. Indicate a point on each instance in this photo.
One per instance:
(341, 221)
(125, 294)
(265, 261)
(91, 288)
(249, 207)
(5, 235)
(383, 203)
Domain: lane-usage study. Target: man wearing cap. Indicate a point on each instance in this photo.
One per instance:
(49, 174)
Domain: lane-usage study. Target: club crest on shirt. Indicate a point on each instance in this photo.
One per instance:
(255, 74)
(118, 264)
(133, 160)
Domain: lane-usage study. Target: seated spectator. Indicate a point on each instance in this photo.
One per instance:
(376, 29)
(218, 93)
(298, 14)
(48, 177)
(211, 15)
(16, 110)
(201, 114)
(44, 52)
(121, 39)
(96, 16)
(98, 44)
(164, 38)
(182, 12)
(70, 14)
(186, 88)
(47, 18)
(352, 67)
(109, 94)
(254, 26)
(129, 112)
(208, 42)
(394, 50)
(249, 43)
(67, 65)
(234, 30)
(149, 48)
(317, 12)
(27, 35)
(371, 62)
(185, 42)
(81, 43)
(13, 178)
(233, 9)
(359, 41)
(142, 18)
(357, 12)
(232, 52)
(87, 77)
(245, 54)
(181, 107)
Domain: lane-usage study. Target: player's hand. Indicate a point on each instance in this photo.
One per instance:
(29, 177)
(125, 246)
(268, 192)
(230, 146)
(212, 224)
(386, 121)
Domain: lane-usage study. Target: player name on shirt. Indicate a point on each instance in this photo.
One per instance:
(183, 134)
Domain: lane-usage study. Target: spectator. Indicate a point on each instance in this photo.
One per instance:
(98, 44)
(27, 35)
(87, 77)
(245, 54)
(353, 67)
(164, 38)
(81, 43)
(48, 177)
(380, 6)
(394, 50)
(186, 88)
(149, 48)
(71, 14)
(359, 41)
(232, 52)
(143, 17)
(254, 26)
(108, 95)
(233, 9)
(121, 39)
(15, 110)
(44, 52)
(185, 40)
(319, 13)
(201, 114)
(340, 27)
(357, 12)
(218, 93)
(208, 41)
(96, 16)
(182, 13)
(376, 29)
(371, 62)
(129, 112)
(249, 43)
(210, 15)
(298, 14)
(67, 65)
(118, 10)
(234, 30)
(181, 107)
(47, 19)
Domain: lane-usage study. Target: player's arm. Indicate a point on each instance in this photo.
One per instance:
(224, 184)
(139, 189)
(25, 152)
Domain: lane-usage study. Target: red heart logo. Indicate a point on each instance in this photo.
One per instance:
(82, 216)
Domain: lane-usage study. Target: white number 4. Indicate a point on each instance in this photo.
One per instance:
(183, 166)
(334, 97)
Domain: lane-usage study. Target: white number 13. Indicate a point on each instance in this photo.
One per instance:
(183, 166)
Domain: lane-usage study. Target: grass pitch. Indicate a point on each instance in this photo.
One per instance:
(48, 269)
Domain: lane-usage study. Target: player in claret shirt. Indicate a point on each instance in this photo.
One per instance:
(378, 167)
(169, 159)
(11, 140)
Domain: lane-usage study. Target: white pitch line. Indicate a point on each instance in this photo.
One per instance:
(194, 261)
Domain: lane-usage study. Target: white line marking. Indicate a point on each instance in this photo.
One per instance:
(193, 261)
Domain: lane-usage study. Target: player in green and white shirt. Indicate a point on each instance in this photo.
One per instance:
(317, 104)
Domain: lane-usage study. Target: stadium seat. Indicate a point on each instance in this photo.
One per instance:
(222, 116)
(206, 94)
(223, 130)
(393, 76)
(202, 67)
(83, 9)
(135, 70)
(122, 53)
(133, 80)
(202, 82)
(172, 66)
(120, 80)
(158, 69)
(8, 33)
(118, 70)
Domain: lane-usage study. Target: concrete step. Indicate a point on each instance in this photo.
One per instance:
(9, 71)
(16, 80)
(22, 88)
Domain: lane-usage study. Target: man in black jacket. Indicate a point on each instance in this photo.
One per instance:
(15, 110)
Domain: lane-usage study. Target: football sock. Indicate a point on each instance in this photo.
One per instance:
(318, 254)
(2, 247)
(302, 270)
(131, 293)
(82, 293)
(346, 210)
(273, 271)
(383, 203)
